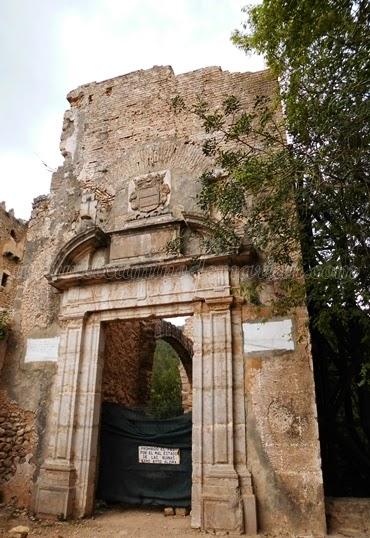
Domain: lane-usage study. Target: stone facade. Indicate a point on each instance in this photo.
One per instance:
(126, 190)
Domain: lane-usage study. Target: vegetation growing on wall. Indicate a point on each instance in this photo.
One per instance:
(165, 392)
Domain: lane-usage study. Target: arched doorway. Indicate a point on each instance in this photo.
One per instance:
(222, 494)
(145, 438)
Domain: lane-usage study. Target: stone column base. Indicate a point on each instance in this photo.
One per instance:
(55, 490)
(250, 514)
(248, 500)
(222, 507)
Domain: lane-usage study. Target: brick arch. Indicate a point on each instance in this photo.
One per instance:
(181, 344)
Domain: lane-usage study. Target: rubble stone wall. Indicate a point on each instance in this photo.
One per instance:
(129, 348)
(17, 445)
(128, 362)
(17, 426)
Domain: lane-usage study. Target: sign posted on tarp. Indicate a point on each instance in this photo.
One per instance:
(157, 454)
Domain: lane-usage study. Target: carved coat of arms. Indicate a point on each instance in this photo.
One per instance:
(150, 193)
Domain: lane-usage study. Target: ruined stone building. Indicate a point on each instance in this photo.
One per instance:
(12, 236)
(97, 278)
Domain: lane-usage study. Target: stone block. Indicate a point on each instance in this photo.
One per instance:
(20, 531)
(182, 512)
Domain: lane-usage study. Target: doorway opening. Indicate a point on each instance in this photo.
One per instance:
(145, 447)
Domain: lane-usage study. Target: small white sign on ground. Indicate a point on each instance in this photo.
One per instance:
(156, 454)
(42, 349)
(268, 336)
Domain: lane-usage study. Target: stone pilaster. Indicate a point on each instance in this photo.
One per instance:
(55, 490)
(87, 417)
(215, 478)
(240, 437)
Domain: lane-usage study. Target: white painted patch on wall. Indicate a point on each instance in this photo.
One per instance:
(268, 336)
(42, 349)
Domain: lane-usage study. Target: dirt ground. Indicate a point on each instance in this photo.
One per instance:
(112, 523)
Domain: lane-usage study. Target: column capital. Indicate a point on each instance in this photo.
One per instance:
(72, 319)
(219, 303)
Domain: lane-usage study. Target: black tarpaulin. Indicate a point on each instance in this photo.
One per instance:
(122, 478)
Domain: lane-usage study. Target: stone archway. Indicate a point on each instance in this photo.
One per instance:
(130, 347)
(183, 346)
(222, 497)
(180, 343)
(96, 291)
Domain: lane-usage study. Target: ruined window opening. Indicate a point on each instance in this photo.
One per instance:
(4, 279)
(12, 234)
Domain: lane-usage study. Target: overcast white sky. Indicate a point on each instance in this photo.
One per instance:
(48, 47)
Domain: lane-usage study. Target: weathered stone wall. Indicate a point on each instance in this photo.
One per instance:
(187, 329)
(35, 308)
(186, 383)
(186, 390)
(114, 130)
(126, 126)
(17, 428)
(128, 362)
(282, 432)
(348, 516)
(129, 348)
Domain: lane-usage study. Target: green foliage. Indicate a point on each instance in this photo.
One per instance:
(303, 181)
(249, 290)
(255, 162)
(4, 324)
(174, 246)
(165, 393)
(309, 189)
(292, 293)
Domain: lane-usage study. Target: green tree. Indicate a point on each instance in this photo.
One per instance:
(308, 176)
(165, 393)
(319, 50)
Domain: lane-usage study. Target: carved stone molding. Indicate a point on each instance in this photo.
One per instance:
(85, 241)
(219, 303)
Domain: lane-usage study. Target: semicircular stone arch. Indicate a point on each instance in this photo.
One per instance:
(183, 346)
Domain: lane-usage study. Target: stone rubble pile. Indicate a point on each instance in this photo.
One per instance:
(15, 442)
